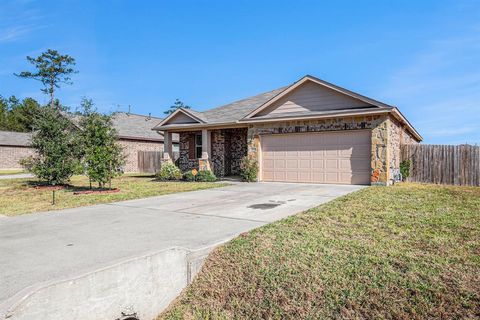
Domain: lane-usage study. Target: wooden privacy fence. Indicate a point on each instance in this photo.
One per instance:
(443, 164)
(149, 161)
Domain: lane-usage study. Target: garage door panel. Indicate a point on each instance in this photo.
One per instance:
(292, 176)
(279, 163)
(280, 176)
(292, 164)
(361, 150)
(318, 164)
(331, 164)
(333, 157)
(268, 164)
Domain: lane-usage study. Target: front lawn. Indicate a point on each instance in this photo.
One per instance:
(18, 196)
(404, 252)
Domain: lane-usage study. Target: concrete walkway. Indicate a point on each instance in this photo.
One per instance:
(16, 176)
(42, 247)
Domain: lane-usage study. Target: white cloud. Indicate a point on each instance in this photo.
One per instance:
(17, 20)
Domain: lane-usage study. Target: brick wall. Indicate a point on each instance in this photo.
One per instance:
(10, 156)
(131, 148)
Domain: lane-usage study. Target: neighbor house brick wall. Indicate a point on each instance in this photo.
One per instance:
(378, 125)
(131, 148)
(11, 155)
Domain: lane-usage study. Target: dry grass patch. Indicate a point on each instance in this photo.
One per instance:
(18, 196)
(9, 172)
(404, 252)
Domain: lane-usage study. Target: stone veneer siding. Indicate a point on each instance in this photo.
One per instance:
(11, 155)
(131, 148)
(184, 161)
(228, 147)
(380, 125)
(398, 135)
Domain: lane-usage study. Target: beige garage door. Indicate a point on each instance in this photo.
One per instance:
(332, 157)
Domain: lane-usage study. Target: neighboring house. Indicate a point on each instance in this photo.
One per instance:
(310, 131)
(13, 147)
(134, 134)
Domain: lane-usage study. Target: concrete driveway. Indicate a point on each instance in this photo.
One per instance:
(42, 247)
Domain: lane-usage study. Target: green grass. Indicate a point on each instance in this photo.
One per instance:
(18, 196)
(12, 171)
(404, 252)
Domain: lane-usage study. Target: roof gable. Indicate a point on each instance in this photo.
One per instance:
(182, 116)
(311, 94)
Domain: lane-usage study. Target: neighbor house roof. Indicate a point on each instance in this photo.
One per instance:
(17, 139)
(249, 109)
(137, 127)
(129, 126)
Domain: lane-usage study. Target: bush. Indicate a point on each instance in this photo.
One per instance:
(205, 176)
(405, 169)
(249, 169)
(188, 176)
(169, 172)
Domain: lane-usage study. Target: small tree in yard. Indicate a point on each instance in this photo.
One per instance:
(102, 156)
(56, 156)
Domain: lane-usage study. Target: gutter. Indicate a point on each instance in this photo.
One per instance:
(243, 122)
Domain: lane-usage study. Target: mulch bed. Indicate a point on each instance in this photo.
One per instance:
(101, 191)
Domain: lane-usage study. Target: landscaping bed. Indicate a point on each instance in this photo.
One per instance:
(19, 196)
(409, 251)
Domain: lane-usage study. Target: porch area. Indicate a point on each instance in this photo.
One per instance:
(220, 150)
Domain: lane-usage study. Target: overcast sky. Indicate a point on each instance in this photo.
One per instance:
(421, 56)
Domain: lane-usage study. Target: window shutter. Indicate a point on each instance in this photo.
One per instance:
(191, 146)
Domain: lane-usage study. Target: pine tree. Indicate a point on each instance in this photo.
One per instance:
(176, 105)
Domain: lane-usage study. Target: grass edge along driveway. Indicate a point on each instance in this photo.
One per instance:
(409, 251)
(17, 196)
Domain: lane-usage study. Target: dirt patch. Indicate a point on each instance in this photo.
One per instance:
(102, 191)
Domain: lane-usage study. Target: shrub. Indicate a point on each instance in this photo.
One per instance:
(249, 169)
(205, 176)
(168, 172)
(188, 176)
(56, 154)
(405, 169)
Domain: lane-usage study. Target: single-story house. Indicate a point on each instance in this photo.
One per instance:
(134, 134)
(310, 131)
(13, 147)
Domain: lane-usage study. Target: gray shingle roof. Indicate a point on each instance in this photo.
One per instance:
(136, 126)
(19, 139)
(237, 110)
(128, 126)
